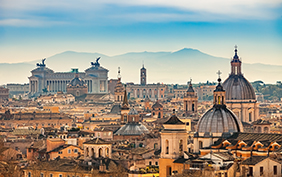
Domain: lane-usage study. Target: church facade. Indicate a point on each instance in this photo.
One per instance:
(45, 80)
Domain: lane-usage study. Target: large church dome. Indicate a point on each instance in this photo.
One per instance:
(219, 118)
(237, 87)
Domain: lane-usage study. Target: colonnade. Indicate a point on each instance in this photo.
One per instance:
(57, 85)
(33, 86)
(89, 85)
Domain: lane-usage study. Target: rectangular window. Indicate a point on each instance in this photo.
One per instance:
(102, 86)
(261, 171)
(250, 171)
(69, 151)
(275, 170)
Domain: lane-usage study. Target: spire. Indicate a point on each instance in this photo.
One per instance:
(125, 101)
(236, 63)
(119, 76)
(235, 56)
(219, 86)
(190, 88)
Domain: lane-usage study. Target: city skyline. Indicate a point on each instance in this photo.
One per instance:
(39, 29)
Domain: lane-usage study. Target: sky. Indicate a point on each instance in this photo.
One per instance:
(35, 29)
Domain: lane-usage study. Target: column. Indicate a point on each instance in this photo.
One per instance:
(36, 86)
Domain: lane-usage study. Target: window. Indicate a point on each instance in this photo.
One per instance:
(29, 174)
(51, 175)
(156, 163)
(275, 170)
(69, 151)
(75, 150)
(180, 147)
(102, 86)
(41, 175)
(261, 171)
(167, 147)
(250, 171)
(60, 175)
(200, 144)
(250, 116)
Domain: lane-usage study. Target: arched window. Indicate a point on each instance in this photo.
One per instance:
(133, 119)
(250, 116)
(29, 174)
(180, 146)
(100, 152)
(259, 129)
(107, 152)
(167, 147)
(265, 129)
(159, 116)
(193, 107)
(93, 153)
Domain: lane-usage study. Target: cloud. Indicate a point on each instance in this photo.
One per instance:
(32, 12)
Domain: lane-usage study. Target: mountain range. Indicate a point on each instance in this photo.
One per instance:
(163, 67)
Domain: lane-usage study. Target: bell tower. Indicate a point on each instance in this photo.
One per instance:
(143, 76)
(190, 101)
(173, 144)
(124, 109)
(119, 90)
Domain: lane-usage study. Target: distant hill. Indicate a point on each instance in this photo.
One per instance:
(166, 67)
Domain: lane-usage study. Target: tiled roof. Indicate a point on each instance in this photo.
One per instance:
(254, 160)
(261, 122)
(157, 105)
(97, 141)
(225, 156)
(256, 137)
(174, 120)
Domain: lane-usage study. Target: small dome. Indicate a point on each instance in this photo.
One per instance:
(132, 129)
(219, 119)
(133, 112)
(76, 82)
(237, 87)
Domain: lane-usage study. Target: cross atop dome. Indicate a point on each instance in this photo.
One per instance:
(119, 76)
(219, 73)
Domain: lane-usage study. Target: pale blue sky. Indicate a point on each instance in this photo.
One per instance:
(34, 29)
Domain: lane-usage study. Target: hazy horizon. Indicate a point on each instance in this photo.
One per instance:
(35, 29)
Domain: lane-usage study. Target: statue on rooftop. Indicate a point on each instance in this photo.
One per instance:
(41, 64)
(96, 64)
